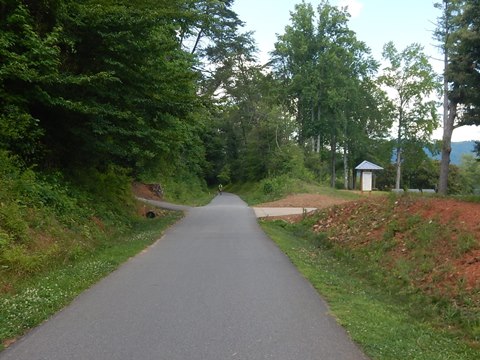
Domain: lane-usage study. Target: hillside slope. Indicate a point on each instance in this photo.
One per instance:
(418, 245)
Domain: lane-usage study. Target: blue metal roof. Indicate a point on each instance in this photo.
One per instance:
(366, 165)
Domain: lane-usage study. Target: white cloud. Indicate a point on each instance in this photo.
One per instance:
(354, 7)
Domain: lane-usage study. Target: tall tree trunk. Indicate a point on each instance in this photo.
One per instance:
(319, 140)
(449, 114)
(312, 122)
(276, 138)
(399, 168)
(398, 161)
(300, 122)
(448, 126)
(345, 168)
(333, 146)
(345, 153)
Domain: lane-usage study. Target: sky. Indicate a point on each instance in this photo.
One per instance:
(374, 21)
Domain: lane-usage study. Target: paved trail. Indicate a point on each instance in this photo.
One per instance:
(214, 288)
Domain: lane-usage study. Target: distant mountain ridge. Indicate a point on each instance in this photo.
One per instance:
(458, 150)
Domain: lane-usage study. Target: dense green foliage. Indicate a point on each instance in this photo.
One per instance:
(464, 49)
(326, 77)
(154, 89)
(100, 84)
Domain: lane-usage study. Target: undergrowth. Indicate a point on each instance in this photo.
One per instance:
(45, 219)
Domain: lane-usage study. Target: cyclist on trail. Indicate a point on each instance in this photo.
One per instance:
(220, 189)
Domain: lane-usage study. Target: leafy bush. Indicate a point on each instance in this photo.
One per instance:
(290, 161)
(276, 187)
(267, 187)
(111, 186)
(186, 189)
(12, 222)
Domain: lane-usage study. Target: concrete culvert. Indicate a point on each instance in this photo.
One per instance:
(150, 214)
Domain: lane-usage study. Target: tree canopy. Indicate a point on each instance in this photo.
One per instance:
(327, 76)
(164, 87)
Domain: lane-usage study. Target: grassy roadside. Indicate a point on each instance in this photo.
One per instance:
(37, 297)
(376, 318)
(271, 189)
(60, 233)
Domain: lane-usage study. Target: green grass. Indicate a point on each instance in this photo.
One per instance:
(380, 320)
(276, 188)
(36, 298)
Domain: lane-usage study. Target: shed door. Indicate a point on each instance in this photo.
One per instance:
(367, 181)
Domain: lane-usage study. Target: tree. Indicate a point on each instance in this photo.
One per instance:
(410, 78)
(29, 60)
(256, 131)
(210, 30)
(295, 65)
(126, 90)
(326, 72)
(458, 32)
(98, 83)
(445, 28)
(367, 128)
(464, 67)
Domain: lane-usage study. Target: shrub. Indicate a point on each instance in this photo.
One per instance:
(12, 222)
(268, 187)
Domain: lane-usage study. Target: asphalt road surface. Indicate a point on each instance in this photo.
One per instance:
(214, 288)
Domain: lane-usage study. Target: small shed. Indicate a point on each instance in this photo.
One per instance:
(366, 169)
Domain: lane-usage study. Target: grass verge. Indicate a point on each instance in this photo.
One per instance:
(275, 188)
(34, 299)
(379, 320)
